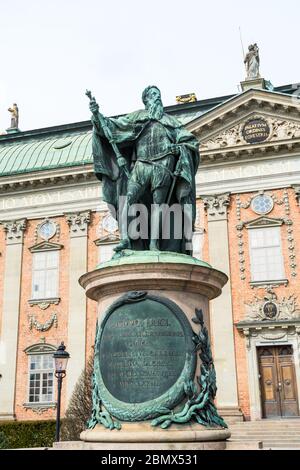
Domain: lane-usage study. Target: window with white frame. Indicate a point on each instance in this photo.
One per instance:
(266, 254)
(41, 378)
(45, 274)
(106, 252)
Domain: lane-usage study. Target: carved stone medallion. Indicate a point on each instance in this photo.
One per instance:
(256, 130)
(145, 355)
(270, 310)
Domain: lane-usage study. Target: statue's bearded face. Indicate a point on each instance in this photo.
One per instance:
(154, 104)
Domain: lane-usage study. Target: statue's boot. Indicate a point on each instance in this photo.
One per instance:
(123, 245)
(154, 245)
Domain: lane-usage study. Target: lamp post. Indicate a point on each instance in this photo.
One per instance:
(61, 357)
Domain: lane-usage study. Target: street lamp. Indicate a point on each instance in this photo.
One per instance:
(61, 357)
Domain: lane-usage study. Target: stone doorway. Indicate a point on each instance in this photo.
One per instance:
(277, 378)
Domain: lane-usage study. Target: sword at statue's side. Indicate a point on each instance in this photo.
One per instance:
(176, 174)
(108, 134)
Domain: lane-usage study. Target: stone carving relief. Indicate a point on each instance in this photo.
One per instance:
(34, 323)
(274, 336)
(44, 304)
(248, 202)
(216, 206)
(40, 348)
(280, 129)
(241, 250)
(290, 234)
(107, 230)
(14, 230)
(283, 130)
(39, 409)
(78, 223)
(107, 226)
(46, 230)
(229, 138)
(270, 308)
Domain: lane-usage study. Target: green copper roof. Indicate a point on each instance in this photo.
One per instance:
(45, 153)
(70, 144)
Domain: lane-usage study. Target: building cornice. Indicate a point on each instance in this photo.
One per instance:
(49, 178)
(244, 152)
(267, 324)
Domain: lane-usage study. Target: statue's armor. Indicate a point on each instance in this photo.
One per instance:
(155, 161)
(153, 143)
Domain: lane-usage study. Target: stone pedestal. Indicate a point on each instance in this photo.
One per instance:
(12, 130)
(254, 83)
(175, 280)
(142, 436)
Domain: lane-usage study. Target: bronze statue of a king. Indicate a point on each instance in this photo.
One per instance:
(147, 163)
(153, 364)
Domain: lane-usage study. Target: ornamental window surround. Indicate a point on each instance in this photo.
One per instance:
(266, 259)
(45, 274)
(41, 378)
(40, 391)
(262, 204)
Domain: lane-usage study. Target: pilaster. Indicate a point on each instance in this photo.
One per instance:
(216, 207)
(14, 231)
(78, 224)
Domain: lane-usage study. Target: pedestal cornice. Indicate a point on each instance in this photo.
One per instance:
(156, 271)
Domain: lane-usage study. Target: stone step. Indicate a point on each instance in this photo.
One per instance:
(277, 434)
(280, 444)
(263, 428)
(249, 432)
(255, 423)
(236, 445)
(280, 447)
(268, 424)
(270, 421)
(262, 437)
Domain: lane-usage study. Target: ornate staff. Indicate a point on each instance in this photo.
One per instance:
(108, 134)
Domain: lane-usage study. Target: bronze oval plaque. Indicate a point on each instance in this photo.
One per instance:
(256, 131)
(145, 355)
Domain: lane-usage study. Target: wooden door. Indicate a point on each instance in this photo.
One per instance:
(278, 382)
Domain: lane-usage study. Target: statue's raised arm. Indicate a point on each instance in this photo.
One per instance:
(102, 125)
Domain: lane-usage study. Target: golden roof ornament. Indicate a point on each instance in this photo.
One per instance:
(189, 98)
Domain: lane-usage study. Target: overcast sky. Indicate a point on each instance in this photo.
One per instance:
(51, 51)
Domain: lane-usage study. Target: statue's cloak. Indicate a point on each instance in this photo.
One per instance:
(125, 131)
